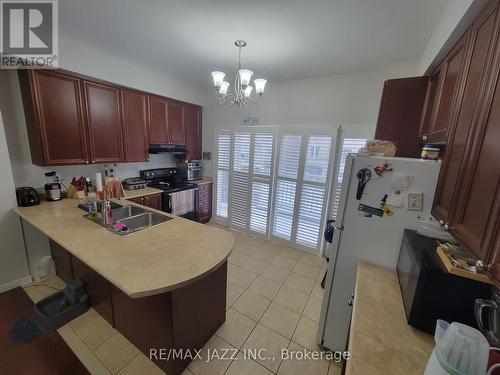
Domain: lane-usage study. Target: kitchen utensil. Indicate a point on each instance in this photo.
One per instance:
(492, 330)
(27, 196)
(134, 183)
(364, 175)
(459, 349)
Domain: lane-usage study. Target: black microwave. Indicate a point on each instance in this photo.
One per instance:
(429, 292)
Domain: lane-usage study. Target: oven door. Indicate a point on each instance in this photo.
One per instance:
(195, 173)
(166, 204)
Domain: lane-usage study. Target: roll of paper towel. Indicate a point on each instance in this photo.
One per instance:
(98, 181)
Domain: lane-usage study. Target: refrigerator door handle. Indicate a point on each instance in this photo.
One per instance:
(339, 228)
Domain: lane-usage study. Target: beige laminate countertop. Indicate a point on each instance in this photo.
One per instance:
(381, 341)
(130, 194)
(204, 180)
(152, 261)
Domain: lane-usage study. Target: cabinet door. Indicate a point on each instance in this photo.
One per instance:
(104, 122)
(59, 117)
(450, 76)
(459, 138)
(153, 201)
(400, 112)
(135, 126)
(193, 132)
(429, 108)
(204, 202)
(62, 261)
(176, 123)
(494, 257)
(158, 120)
(97, 288)
(138, 200)
(477, 211)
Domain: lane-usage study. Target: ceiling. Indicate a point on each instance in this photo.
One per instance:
(287, 39)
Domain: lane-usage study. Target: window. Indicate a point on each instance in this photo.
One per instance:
(244, 175)
(349, 146)
(223, 153)
(301, 185)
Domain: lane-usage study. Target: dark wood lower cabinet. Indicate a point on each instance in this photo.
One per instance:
(204, 202)
(151, 201)
(62, 260)
(97, 288)
(184, 319)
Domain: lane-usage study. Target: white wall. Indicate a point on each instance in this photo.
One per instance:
(456, 17)
(94, 63)
(351, 100)
(13, 263)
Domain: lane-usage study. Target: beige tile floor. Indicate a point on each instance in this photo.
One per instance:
(273, 303)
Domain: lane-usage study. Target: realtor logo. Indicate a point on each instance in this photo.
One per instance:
(29, 34)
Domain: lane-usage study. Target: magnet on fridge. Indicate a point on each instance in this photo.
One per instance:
(382, 168)
(387, 210)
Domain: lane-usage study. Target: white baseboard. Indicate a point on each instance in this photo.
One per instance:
(15, 283)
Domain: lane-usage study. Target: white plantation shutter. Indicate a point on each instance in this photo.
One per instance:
(349, 145)
(251, 175)
(311, 210)
(223, 155)
(303, 177)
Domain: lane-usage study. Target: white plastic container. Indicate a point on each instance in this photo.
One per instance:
(45, 268)
(459, 350)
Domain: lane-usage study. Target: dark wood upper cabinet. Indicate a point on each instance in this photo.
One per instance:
(478, 205)
(429, 110)
(176, 118)
(76, 119)
(400, 113)
(135, 125)
(461, 133)
(103, 115)
(54, 117)
(193, 132)
(449, 89)
(494, 257)
(158, 120)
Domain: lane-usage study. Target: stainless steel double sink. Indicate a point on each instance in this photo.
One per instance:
(134, 218)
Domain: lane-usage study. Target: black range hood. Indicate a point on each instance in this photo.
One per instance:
(170, 148)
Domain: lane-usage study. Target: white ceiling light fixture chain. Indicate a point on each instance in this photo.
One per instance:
(242, 87)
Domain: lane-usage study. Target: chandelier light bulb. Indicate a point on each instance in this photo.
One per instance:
(248, 91)
(223, 87)
(245, 76)
(218, 78)
(260, 85)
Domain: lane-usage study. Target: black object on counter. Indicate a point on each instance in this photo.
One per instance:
(429, 292)
(27, 196)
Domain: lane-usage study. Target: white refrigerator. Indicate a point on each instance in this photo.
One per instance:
(360, 234)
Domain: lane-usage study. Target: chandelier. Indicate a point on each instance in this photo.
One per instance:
(242, 88)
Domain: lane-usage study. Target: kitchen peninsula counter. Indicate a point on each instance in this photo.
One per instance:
(152, 261)
(163, 288)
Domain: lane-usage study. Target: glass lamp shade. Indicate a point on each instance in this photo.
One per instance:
(248, 91)
(260, 84)
(218, 78)
(223, 87)
(245, 76)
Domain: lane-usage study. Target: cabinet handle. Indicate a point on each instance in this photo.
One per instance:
(349, 302)
(441, 222)
(86, 161)
(93, 161)
(352, 296)
(424, 137)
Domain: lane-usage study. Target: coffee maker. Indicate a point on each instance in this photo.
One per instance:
(52, 187)
(491, 310)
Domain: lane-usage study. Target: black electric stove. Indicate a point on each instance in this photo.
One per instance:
(168, 180)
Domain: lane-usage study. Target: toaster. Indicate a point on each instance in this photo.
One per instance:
(27, 196)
